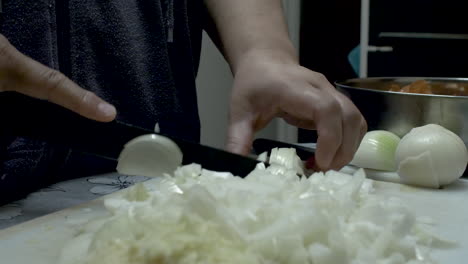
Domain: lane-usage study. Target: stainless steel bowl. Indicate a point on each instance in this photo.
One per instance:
(400, 112)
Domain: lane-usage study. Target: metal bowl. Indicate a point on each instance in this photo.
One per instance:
(399, 112)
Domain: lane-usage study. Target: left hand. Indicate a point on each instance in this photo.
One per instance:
(268, 86)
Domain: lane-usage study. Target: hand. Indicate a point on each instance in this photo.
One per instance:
(21, 74)
(267, 86)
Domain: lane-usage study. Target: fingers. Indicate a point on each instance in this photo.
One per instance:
(354, 128)
(331, 152)
(59, 89)
(27, 76)
(330, 134)
(240, 137)
(313, 108)
(298, 122)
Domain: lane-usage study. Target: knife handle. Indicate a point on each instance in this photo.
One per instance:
(24, 116)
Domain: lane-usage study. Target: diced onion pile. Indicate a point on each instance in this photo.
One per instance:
(272, 216)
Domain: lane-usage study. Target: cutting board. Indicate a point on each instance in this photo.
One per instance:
(40, 240)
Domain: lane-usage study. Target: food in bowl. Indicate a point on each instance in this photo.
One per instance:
(425, 87)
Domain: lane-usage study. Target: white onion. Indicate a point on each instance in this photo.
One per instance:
(149, 155)
(431, 156)
(377, 151)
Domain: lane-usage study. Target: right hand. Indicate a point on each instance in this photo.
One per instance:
(267, 86)
(24, 75)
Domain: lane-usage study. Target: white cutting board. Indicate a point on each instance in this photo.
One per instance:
(39, 241)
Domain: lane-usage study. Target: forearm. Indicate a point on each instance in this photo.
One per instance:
(248, 26)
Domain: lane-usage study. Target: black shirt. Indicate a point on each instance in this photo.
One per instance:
(140, 55)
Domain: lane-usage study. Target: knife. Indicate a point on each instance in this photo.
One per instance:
(24, 116)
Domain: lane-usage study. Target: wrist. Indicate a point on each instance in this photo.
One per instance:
(266, 55)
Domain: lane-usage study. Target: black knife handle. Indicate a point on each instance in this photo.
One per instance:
(23, 116)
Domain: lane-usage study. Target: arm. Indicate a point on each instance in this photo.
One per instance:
(246, 26)
(269, 83)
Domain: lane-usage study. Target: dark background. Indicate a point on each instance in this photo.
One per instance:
(330, 29)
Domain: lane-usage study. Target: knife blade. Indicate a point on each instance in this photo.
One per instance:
(28, 117)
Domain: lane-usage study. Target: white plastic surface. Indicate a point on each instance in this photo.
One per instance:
(40, 241)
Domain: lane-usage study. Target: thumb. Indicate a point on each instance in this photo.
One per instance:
(240, 137)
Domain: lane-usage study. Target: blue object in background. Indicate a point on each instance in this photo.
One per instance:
(354, 58)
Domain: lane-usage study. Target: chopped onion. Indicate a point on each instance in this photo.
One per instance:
(377, 151)
(271, 216)
(431, 156)
(263, 157)
(287, 159)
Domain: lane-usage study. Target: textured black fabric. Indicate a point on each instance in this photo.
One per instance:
(117, 49)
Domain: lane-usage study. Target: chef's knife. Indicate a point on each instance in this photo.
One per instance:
(24, 116)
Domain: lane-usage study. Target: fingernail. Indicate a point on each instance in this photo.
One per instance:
(106, 110)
